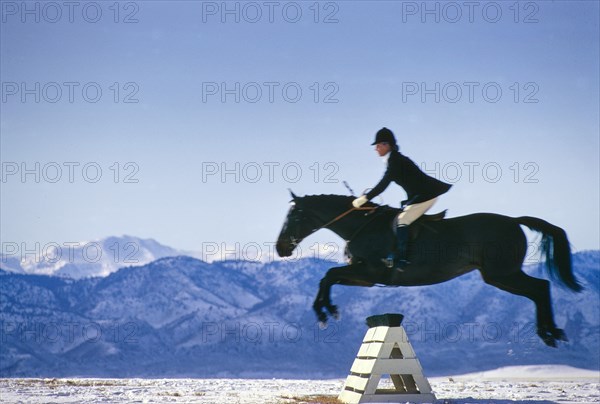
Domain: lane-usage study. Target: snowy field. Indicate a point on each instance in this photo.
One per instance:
(529, 384)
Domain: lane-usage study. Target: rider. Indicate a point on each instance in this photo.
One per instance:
(421, 189)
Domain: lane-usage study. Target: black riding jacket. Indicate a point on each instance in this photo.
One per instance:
(419, 186)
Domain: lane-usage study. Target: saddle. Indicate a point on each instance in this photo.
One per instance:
(432, 218)
(415, 227)
(436, 217)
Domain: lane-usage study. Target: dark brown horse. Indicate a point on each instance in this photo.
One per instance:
(439, 250)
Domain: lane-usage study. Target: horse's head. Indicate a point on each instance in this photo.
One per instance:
(309, 213)
(295, 228)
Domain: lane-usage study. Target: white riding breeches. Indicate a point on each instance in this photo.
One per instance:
(414, 211)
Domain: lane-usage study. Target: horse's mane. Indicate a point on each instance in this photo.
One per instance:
(333, 199)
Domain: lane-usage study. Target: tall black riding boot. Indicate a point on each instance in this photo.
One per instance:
(401, 260)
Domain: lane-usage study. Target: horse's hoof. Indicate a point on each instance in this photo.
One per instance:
(322, 317)
(333, 310)
(547, 337)
(559, 334)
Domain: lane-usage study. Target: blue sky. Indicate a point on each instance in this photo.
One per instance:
(532, 149)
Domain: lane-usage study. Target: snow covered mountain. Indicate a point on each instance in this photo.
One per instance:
(83, 259)
(182, 317)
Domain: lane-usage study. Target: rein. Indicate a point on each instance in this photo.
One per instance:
(371, 208)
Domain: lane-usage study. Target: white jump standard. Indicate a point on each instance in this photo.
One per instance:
(386, 351)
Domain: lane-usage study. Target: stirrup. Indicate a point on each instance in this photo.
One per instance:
(401, 264)
(392, 263)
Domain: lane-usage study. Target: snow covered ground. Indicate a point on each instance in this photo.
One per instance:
(525, 384)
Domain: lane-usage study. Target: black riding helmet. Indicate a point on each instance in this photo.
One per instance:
(384, 135)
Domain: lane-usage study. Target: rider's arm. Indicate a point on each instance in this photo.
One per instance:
(379, 188)
(381, 185)
(393, 167)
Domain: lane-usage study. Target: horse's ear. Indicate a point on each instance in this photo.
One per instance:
(292, 193)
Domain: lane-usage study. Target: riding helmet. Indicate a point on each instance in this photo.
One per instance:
(384, 135)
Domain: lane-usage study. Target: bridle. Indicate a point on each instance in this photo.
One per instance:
(335, 219)
(295, 241)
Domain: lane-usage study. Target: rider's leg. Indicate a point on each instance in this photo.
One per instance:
(400, 256)
(414, 211)
(406, 217)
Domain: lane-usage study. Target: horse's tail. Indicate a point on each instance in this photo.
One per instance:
(555, 247)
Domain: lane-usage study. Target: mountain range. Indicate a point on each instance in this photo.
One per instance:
(83, 259)
(178, 316)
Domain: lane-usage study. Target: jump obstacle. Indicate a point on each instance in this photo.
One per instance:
(386, 351)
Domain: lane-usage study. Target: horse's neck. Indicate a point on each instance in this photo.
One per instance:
(342, 228)
(346, 226)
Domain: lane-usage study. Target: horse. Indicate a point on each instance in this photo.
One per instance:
(438, 250)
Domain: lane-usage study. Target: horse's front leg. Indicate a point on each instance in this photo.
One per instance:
(353, 274)
(323, 301)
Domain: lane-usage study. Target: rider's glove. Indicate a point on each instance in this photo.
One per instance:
(358, 202)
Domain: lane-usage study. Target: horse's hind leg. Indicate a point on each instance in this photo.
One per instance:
(538, 290)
